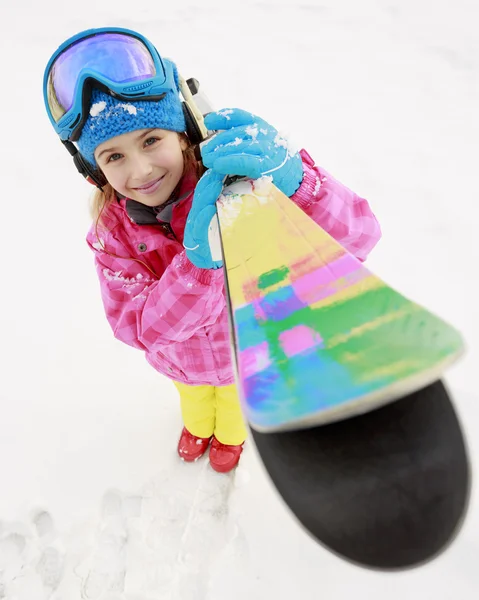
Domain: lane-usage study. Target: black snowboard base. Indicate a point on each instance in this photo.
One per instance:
(386, 490)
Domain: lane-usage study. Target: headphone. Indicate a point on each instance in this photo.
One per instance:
(195, 130)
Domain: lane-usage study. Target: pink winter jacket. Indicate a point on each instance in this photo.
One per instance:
(156, 300)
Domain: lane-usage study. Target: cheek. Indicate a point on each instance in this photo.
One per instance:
(170, 158)
(115, 177)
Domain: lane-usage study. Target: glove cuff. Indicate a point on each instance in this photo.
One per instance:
(309, 187)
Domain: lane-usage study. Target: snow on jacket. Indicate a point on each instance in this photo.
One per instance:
(156, 300)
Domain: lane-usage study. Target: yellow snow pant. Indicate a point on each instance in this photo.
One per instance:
(208, 410)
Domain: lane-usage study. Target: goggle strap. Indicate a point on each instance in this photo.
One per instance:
(83, 167)
(70, 146)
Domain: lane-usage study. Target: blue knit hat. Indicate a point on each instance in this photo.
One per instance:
(110, 117)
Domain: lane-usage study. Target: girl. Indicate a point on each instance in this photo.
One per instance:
(116, 106)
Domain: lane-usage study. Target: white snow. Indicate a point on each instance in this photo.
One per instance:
(97, 108)
(226, 113)
(382, 94)
(117, 276)
(317, 186)
(262, 184)
(231, 204)
(127, 281)
(253, 131)
(129, 108)
(280, 142)
(99, 245)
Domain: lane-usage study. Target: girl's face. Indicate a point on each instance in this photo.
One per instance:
(145, 165)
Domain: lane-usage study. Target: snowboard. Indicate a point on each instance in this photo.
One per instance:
(339, 380)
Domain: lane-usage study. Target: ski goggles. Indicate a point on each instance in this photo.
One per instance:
(118, 61)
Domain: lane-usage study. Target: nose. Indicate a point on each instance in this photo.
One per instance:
(141, 168)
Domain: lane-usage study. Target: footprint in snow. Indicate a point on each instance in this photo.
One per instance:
(31, 558)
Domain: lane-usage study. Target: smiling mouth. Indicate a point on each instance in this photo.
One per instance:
(150, 187)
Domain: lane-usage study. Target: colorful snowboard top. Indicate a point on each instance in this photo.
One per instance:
(317, 336)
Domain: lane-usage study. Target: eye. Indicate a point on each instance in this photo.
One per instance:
(114, 157)
(151, 140)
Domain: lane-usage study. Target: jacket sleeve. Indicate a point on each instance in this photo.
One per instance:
(149, 313)
(339, 211)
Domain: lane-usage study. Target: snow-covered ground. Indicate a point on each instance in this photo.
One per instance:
(93, 501)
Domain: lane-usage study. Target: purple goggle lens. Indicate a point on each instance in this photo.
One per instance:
(118, 57)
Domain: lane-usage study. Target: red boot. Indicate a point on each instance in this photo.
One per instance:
(224, 458)
(190, 447)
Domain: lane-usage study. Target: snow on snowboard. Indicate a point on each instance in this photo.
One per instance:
(339, 377)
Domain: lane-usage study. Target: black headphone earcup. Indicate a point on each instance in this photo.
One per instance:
(192, 129)
(93, 176)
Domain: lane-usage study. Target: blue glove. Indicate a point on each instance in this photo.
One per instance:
(251, 147)
(202, 239)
